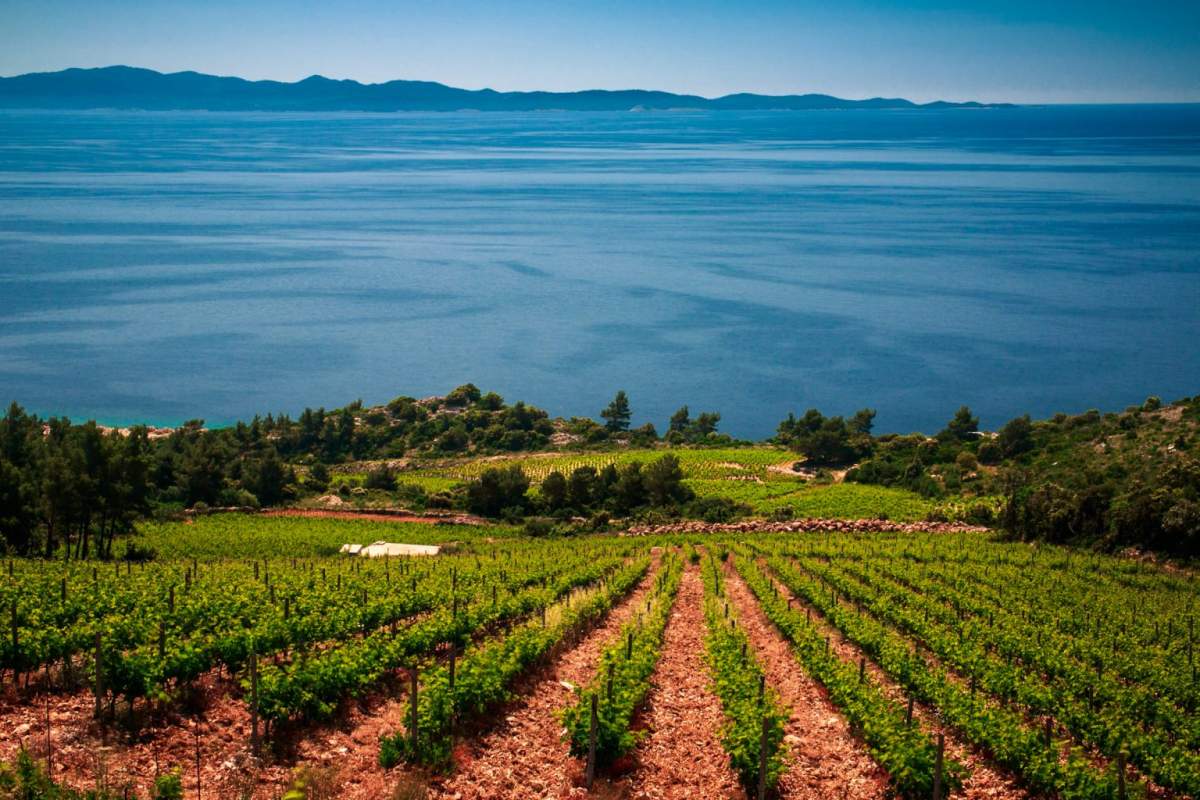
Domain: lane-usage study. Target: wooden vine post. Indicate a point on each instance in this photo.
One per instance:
(16, 643)
(762, 758)
(937, 767)
(196, 733)
(591, 758)
(254, 739)
(99, 683)
(49, 744)
(413, 695)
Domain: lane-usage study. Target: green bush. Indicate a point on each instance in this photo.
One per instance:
(380, 478)
(169, 786)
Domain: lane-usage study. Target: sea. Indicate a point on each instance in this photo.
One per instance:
(160, 267)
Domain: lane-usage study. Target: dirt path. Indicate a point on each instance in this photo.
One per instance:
(985, 780)
(526, 755)
(682, 757)
(347, 753)
(375, 515)
(823, 759)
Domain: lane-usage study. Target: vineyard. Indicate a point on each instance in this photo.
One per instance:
(762, 478)
(224, 536)
(255, 662)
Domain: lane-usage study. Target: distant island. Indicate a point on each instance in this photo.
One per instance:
(121, 87)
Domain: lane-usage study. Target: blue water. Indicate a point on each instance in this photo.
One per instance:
(164, 266)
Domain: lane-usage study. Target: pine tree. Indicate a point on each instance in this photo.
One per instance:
(616, 415)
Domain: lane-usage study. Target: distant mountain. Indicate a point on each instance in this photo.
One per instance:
(134, 88)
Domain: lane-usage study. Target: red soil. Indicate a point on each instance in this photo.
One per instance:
(82, 750)
(682, 757)
(526, 754)
(218, 724)
(985, 781)
(823, 760)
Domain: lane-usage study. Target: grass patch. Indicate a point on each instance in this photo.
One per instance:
(256, 536)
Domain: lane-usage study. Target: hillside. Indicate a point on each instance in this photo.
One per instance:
(134, 88)
(1126, 479)
(1116, 480)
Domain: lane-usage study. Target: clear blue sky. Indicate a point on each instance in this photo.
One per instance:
(1021, 50)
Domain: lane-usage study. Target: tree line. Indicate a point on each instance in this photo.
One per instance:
(73, 489)
(1117, 479)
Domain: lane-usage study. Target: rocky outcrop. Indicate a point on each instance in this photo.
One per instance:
(806, 525)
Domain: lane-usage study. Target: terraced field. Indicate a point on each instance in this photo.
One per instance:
(760, 477)
(814, 665)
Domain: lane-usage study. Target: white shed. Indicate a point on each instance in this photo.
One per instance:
(381, 549)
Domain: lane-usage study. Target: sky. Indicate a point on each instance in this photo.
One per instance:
(1025, 51)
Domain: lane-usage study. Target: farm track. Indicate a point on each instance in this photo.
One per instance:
(985, 780)
(376, 515)
(824, 760)
(525, 754)
(682, 757)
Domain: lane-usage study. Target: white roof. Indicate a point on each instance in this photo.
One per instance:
(378, 549)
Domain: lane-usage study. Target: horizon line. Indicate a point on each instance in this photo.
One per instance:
(683, 93)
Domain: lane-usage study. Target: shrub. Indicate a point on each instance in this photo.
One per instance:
(245, 499)
(440, 500)
(168, 787)
(538, 527)
(990, 453)
(453, 440)
(980, 514)
(138, 553)
(380, 478)
(464, 395)
(716, 509)
(498, 489)
(318, 478)
(314, 783)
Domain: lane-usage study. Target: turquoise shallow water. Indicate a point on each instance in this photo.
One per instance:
(164, 266)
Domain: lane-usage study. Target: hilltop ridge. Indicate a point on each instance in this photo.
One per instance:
(144, 89)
